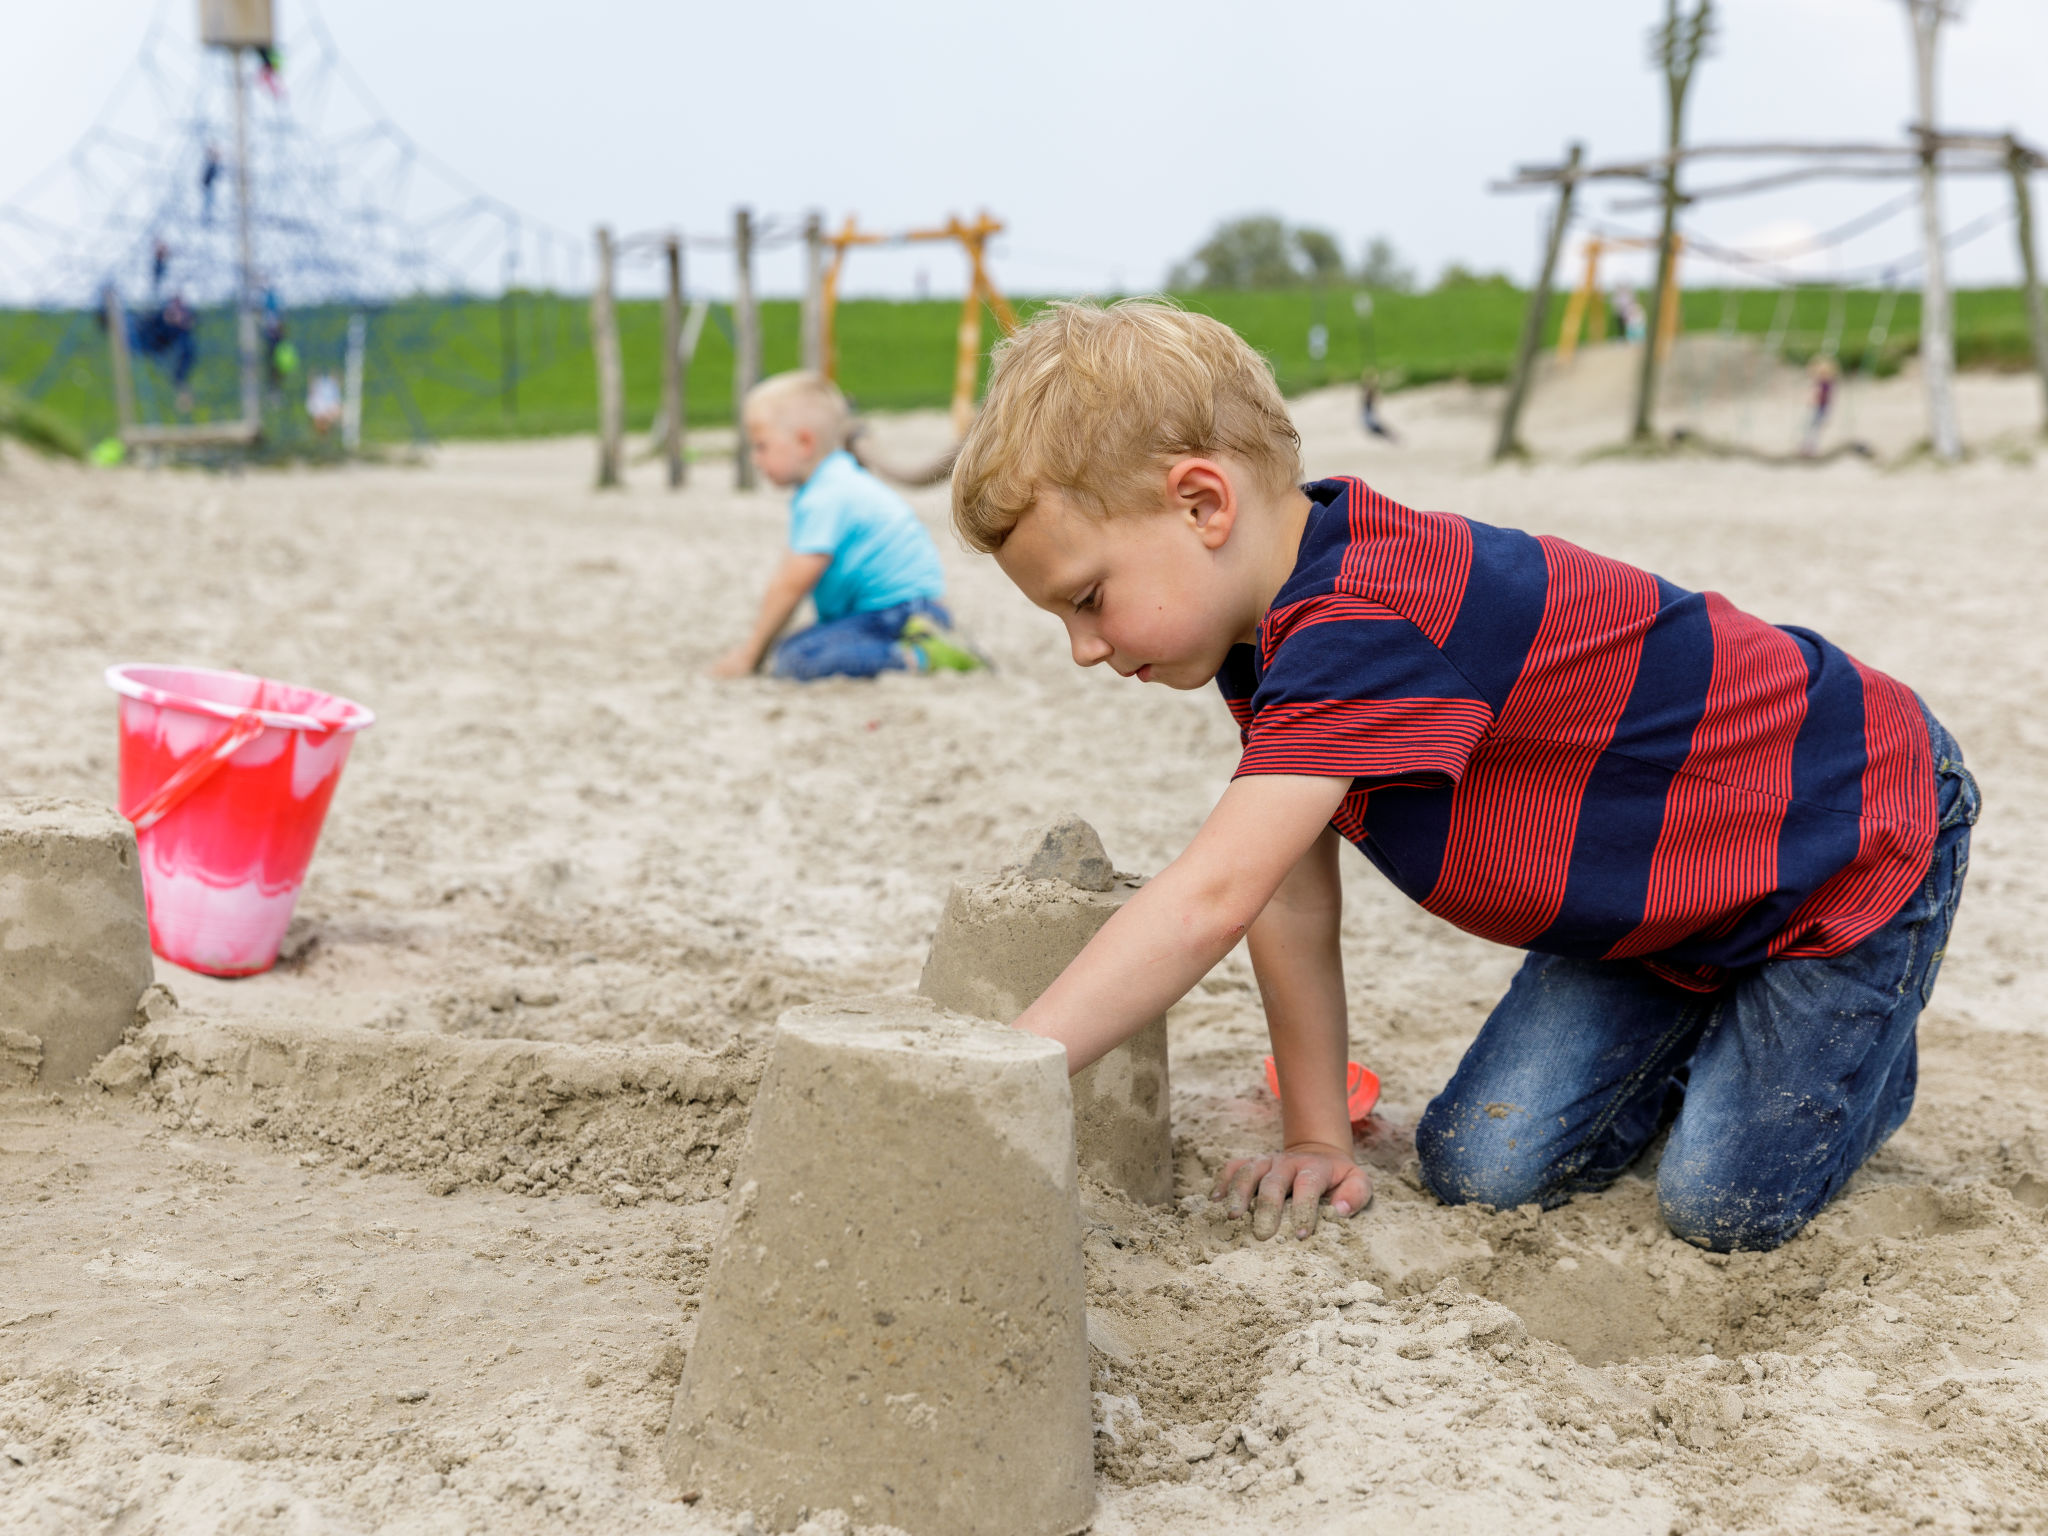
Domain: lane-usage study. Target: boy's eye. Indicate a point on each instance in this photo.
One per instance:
(1087, 600)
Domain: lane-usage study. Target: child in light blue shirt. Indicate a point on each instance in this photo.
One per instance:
(855, 549)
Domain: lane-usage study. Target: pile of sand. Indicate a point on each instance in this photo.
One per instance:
(407, 1234)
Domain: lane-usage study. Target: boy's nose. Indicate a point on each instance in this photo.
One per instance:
(1089, 650)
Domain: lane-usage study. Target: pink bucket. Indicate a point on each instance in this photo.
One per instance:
(227, 779)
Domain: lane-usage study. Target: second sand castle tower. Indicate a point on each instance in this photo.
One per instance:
(1002, 942)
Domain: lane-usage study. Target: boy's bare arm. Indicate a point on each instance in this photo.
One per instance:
(790, 585)
(1296, 953)
(1167, 936)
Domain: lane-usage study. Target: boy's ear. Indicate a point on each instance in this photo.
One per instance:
(1202, 491)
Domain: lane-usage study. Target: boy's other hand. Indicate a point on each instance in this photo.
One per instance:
(740, 661)
(1307, 1171)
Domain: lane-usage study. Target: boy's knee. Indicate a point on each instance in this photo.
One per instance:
(1726, 1210)
(1482, 1154)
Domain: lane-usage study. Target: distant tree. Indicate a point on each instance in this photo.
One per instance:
(1457, 275)
(1260, 251)
(1321, 252)
(1383, 267)
(1251, 252)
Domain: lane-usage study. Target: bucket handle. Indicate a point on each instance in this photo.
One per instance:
(173, 791)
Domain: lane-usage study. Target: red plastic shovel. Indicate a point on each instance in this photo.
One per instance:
(1361, 1088)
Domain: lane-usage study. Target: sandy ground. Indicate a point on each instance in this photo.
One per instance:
(379, 1285)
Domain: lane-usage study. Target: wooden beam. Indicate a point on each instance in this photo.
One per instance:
(1509, 443)
(195, 434)
(1652, 167)
(673, 365)
(1897, 172)
(611, 385)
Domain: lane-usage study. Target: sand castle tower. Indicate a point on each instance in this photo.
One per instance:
(1000, 943)
(895, 1321)
(74, 936)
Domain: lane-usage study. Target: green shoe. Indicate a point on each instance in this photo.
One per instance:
(935, 650)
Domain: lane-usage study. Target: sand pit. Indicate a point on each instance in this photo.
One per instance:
(568, 885)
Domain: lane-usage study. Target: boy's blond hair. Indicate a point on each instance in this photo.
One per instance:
(801, 399)
(1095, 402)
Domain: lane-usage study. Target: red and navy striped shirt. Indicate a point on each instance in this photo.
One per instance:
(1561, 752)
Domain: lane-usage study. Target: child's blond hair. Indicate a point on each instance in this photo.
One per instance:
(1094, 402)
(801, 399)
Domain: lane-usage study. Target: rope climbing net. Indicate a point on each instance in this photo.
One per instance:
(349, 215)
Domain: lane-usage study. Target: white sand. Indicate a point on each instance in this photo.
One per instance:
(560, 831)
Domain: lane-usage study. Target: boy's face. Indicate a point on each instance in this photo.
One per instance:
(784, 452)
(1161, 595)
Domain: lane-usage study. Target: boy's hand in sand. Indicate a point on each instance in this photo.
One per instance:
(740, 661)
(1307, 1171)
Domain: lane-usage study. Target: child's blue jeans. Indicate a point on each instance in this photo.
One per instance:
(859, 645)
(1776, 1087)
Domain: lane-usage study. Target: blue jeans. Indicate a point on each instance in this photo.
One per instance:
(858, 645)
(1776, 1087)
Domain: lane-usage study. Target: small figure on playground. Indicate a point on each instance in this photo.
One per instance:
(280, 357)
(323, 402)
(1731, 851)
(159, 264)
(209, 173)
(855, 549)
(1628, 312)
(165, 334)
(1369, 405)
(1823, 371)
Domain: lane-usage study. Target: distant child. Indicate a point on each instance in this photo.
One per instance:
(1369, 405)
(855, 549)
(323, 402)
(1732, 852)
(1823, 372)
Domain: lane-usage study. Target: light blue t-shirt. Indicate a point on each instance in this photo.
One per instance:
(881, 555)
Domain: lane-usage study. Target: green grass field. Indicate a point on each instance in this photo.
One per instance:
(522, 366)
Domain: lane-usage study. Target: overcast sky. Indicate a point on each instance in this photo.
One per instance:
(1111, 134)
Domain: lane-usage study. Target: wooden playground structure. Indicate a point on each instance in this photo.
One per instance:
(824, 262)
(1926, 155)
(1586, 311)
(981, 289)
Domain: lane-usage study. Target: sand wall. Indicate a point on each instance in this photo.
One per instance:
(625, 1123)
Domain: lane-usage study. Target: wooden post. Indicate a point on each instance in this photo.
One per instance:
(1576, 307)
(2020, 163)
(352, 383)
(828, 303)
(1667, 303)
(813, 326)
(746, 343)
(124, 369)
(1937, 325)
(1509, 443)
(611, 384)
(673, 365)
(1678, 45)
(245, 302)
(967, 351)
